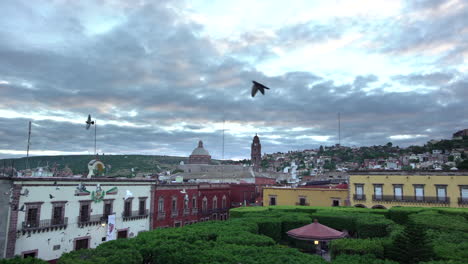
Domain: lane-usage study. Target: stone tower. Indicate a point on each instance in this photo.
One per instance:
(256, 153)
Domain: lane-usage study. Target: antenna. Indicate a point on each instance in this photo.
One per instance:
(223, 135)
(95, 132)
(339, 129)
(29, 143)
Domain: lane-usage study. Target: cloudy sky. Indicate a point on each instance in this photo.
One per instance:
(160, 75)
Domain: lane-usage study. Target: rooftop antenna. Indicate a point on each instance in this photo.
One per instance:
(339, 129)
(90, 122)
(29, 143)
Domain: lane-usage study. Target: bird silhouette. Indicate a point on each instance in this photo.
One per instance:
(258, 87)
(51, 196)
(89, 122)
(22, 208)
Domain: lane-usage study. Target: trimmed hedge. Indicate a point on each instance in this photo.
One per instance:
(357, 247)
(400, 214)
(20, 260)
(361, 259)
(435, 220)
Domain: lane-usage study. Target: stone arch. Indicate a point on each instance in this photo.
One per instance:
(360, 206)
(378, 207)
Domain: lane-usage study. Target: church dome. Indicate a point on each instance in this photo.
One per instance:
(200, 151)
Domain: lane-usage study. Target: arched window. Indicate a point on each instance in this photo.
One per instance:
(161, 204)
(223, 202)
(194, 202)
(215, 203)
(204, 204)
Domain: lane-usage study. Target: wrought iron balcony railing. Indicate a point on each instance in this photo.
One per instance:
(87, 220)
(359, 197)
(194, 211)
(463, 200)
(44, 225)
(174, 213)
(161, 216)
(411, 199)
(186, 211)
(133, 215)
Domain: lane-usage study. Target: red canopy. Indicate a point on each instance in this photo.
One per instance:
(316, 231)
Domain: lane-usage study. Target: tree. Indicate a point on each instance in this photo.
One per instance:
(463, 165)
(321, 149)
(412, 245)
(389, 145)
(451, 158)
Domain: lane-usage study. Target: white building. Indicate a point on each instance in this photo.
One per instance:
(47, 217)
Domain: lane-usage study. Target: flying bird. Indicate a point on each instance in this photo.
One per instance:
(183, 191)
(128, 194)
(22, 208)
(51, 196)
(89, 122)
(258, 87)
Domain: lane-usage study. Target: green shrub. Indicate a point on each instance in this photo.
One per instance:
(240, 211)
(269, 227)
(337, 220)
(368, 226)
(453, 211)
(357, 247)
(400, 214)
(291, 221)
(435, 220)
(20, 260)
(361, 259)
(245, 238)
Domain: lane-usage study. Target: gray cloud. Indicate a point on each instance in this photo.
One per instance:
(155, 63)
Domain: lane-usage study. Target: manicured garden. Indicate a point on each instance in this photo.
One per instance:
(257, 235)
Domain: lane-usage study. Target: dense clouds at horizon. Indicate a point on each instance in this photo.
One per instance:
(160, 75)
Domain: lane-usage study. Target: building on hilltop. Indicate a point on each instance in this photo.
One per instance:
(256, 153)
(199, 155)
(460, 134)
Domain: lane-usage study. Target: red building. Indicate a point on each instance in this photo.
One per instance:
(184, 204)
(243, 193)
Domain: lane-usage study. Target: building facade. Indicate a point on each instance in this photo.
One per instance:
(429, 189)
(305, 196)
(50, 216)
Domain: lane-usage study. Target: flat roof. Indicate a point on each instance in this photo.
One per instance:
(409, 173)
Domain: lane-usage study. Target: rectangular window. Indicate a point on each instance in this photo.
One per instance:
(82, 243)
(204, 204)
(84, 212)
(31, 254)
(32, 218)
(107, 209)
(194, 202)
(174, 204)
(302, 201)
(223, 202)
(441, 193)
(142, 207)
(122, 234)
(464, 193)
(272, 200)
(378, 192)
(419, 192)
(57, 216)
(215, 203)
(161, 205)
(398, 191)
(128, 207)
(359, 191)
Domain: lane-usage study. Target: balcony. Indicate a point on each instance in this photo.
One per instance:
(462, 200)
(89, 220)
(161, 216)
(359, 197)
(174, 213)
(186, 211)
(44, 225)
(194, 211)
(135, 215)
(411, 199)
(303, 204)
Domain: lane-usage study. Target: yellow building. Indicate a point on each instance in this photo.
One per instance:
(419, 189)
(305, 196)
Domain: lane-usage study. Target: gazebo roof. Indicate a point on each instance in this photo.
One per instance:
(316, 231)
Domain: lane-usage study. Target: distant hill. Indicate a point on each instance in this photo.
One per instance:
(120, 164)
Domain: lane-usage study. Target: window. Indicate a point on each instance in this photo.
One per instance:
(359, 190)
(107, 208)
(32, 219)
(57, 214)
(272, 200)
(194, 202)
(441, 193)
(128, 207)
(336, 203)
(142, 206)
(398, 191)
(161, 205)
(419, 192)
(85, 208)
(302, 201)
(378, 191)
(122, 233)
(204, 204)
(223, 202)
(215, 203)
(186, 201)
(82, 243)
(174, 204)
(464, 193)
(30, 254)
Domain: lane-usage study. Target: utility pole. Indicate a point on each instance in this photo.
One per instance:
(29, 142)
(339, 129)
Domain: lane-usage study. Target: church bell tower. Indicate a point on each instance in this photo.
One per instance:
(256, 153)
